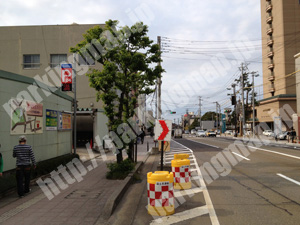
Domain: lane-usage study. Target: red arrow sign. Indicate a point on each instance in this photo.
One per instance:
(165, 130)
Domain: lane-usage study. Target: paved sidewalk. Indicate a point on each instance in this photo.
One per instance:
(80, 203)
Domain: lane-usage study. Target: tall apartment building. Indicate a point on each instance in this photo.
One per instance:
(280, 21)
(37, 51)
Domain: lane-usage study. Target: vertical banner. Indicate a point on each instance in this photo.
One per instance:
(66, 77)
(64, 121)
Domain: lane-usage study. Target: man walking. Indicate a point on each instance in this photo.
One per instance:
(24, 155)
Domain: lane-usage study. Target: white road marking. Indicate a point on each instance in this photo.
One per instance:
(178, 217)
(204, 144)
(187, 192)
(289, 179)
(240, 156)
(279, 153)
(209, 204)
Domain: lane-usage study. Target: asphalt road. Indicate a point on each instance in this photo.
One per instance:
(259, 185)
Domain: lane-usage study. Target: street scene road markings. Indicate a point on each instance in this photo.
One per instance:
(188, 192)
(289, 179)
(196, 212)
(179, 217)
(204, 144)
(279, 153)
(240, 156)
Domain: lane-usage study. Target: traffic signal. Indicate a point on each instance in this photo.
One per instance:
(233, 100)
(173, 112)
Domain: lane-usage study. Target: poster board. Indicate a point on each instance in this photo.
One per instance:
(26, 117)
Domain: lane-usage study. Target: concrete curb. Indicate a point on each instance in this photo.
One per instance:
(118, 194)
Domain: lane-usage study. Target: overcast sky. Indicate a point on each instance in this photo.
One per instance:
(204, 42)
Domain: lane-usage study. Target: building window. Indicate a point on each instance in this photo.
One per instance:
(57, 59)
(85, 59)
(31, 61)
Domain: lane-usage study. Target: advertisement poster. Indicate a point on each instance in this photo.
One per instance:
(26, 117)
(51, 119)
(65, 121)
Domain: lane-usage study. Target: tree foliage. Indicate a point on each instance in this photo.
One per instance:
(129, 60)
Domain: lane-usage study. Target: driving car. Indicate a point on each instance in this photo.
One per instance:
(193, 131)
(211, 133)
(200, 133)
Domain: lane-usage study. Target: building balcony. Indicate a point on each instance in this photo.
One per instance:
(270, 42)
(269, 19)
(270, 54)
(271, 66)
(271, 88)
(270, 31)
(269, 7)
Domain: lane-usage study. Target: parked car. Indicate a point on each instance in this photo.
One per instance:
(200, 133)
(284, 135)
(186, 132)
(193, 131)
(211, 133)
(268, 132)
(229, 132)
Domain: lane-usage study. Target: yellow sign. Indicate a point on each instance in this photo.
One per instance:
(166, 146)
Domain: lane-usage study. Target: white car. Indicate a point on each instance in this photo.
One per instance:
(268, 132)
(200, 133)
(229, 132)
(193, 131)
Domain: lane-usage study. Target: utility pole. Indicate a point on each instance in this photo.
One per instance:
(220, 118)
(235, 121)
(243, 104)
(200, 112)
(217, 117)
(253, 104)
(75, 103)
(159, 85)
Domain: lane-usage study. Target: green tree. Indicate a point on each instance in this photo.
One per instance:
(194, 124)
(127, 55)
(209, 116)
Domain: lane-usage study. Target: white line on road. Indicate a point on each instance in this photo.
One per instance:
(279, 153)
(289, 179)
(204, 143)
(178, 217)
(240, 156)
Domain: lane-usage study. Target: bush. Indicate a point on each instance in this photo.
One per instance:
(119, 171)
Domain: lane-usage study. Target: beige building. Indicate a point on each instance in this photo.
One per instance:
(37, 51)
(280, 43)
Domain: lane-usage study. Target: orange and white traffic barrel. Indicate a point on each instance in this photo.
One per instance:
(182, 174)
(160, 193)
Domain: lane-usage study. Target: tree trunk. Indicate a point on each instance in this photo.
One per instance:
(130, 150)
(120, 156)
